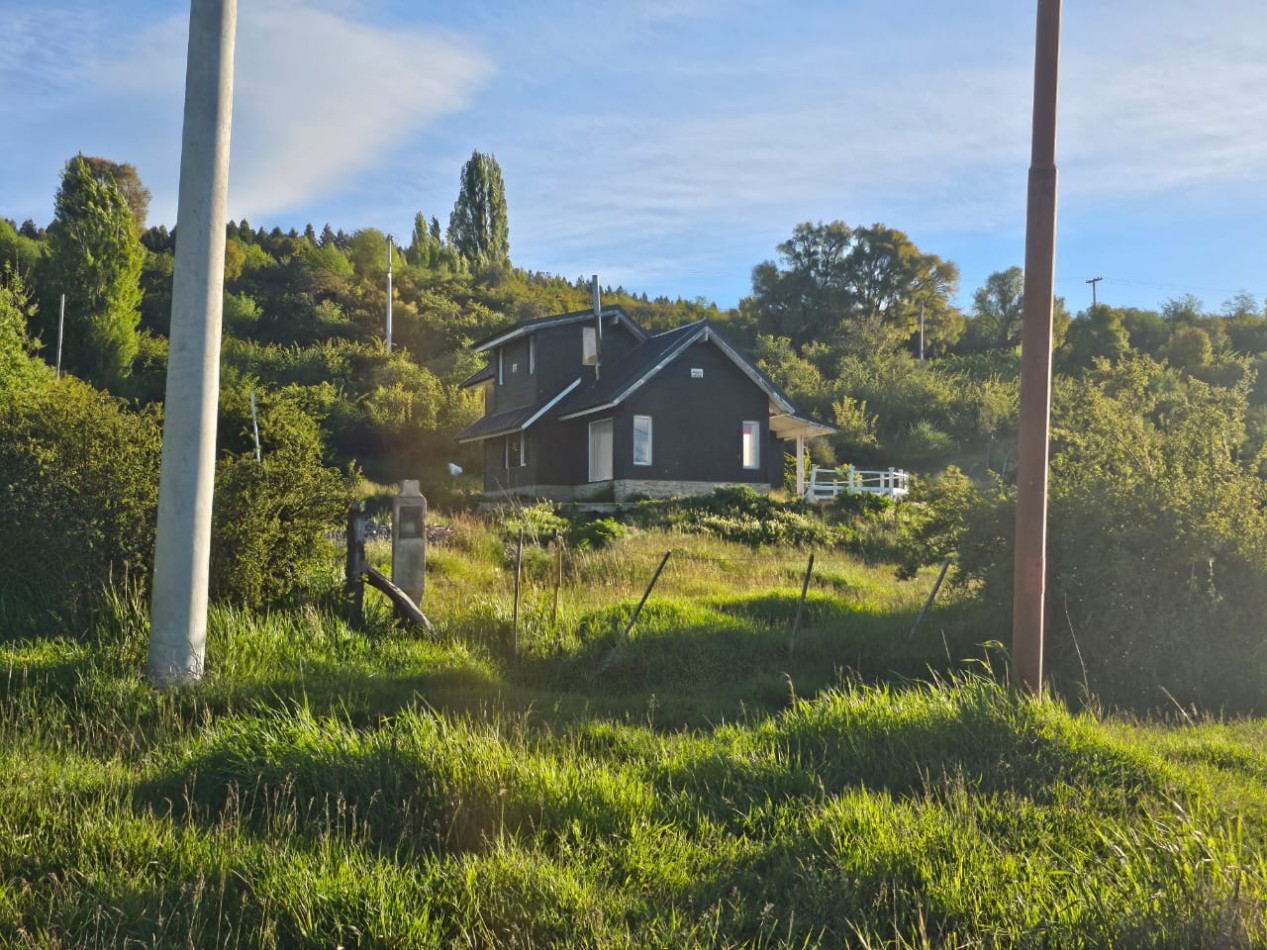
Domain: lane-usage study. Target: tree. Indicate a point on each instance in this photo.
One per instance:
(94, 258)
(1243, 304)
(18, 249)
(1185, 309)
(860, 289)
(427, 248)
(16, 365)
(126, 179)
(1098, 334)
(998, 306)
(479, 227)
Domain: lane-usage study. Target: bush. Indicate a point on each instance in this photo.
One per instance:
(539, 522)
(78, 501)
(1157, 551)
(743, 515)
(596, 534)
(272, 522)
(860, 506)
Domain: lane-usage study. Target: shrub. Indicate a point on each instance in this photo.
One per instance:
(272, 521)
(743, 515)
(538, 521)
(596, 534)
(78, 500)
(1157, 551)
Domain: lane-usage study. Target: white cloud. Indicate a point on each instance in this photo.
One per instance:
(318, 98)
(1151, 101)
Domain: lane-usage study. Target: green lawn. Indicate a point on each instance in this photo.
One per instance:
(707, 783)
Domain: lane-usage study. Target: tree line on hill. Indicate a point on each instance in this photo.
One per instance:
(1160, 431)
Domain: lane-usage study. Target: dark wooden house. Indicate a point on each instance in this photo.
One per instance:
(579, 407)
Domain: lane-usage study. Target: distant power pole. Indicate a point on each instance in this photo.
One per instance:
(1093, 281)
(182, 548)
(61, 331)
(921, 331)
(1030, 578)
(389, 293)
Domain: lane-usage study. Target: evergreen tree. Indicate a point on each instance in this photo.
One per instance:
(94, 258)
(479, 228)
(16, 365)
(126, 179)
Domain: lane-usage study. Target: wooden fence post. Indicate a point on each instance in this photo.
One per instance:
(519, 561)
(800, 607)
(928, 603)
(637, 610)
(353, 585)
(558, 578)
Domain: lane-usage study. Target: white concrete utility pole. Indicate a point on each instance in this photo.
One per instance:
(182, 550)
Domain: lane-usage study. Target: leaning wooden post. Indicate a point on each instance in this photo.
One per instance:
(800, 607)
(932, 595)
(514, 628)
(647, 593)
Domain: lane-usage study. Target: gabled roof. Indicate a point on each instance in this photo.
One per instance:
(643, 362)
(484, 375)
(525, 327)
(513, 420)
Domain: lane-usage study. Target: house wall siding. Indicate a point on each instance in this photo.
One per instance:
(559, 352)
(497, 476)
(518, 386)
(696, 423)
(623, 489)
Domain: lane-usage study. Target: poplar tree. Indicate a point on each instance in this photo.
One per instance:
(479, 228)
(94, 258)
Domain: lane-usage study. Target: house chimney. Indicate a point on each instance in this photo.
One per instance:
(598, 325)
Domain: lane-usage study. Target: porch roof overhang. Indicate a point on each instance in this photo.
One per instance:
(513, 420)
(788, 425)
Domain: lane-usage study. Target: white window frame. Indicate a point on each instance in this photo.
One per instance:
(610, 460)
(522, 460)
(637, 420)
(750, 438)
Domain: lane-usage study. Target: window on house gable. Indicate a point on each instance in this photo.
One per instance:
(532, 354)
(751, 444)
(589, 346)
(501, 366)
(642, 440)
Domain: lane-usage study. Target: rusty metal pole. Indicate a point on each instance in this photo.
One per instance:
(1035, 410)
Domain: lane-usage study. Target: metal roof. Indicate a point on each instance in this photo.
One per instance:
(525, 327)
(513, 420)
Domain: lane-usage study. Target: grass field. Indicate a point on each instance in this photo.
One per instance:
(708, 782)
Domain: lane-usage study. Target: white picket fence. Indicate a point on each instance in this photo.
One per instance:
(826, 483)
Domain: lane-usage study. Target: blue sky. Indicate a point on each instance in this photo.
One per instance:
(670, 145)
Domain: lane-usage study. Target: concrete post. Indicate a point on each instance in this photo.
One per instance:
(182, 551)
(409, 541)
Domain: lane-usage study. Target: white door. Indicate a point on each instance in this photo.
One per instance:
(601, 450)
